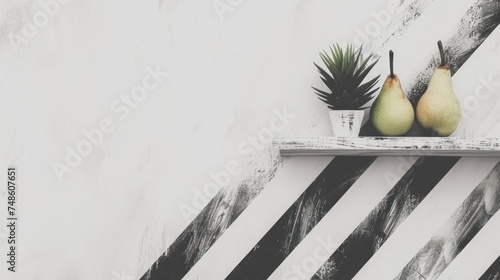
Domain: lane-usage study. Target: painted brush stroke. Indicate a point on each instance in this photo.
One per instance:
(379, 225)
(457, 232)
(493, 272)
(228, 204)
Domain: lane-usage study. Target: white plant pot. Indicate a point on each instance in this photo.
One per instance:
(346, 123)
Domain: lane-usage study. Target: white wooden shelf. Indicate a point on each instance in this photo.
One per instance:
(388, 146)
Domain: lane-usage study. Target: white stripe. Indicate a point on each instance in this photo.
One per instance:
(423, 223)
(341, 220)
(477, 257)
(258, 218)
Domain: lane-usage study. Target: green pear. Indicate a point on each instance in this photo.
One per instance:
(438, 110)
(392, 113)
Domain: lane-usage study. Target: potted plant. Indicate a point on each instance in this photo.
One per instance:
(346, 71)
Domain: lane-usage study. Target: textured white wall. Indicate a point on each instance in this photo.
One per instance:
(119, 209)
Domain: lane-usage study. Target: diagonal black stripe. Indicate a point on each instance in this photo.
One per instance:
(262, 253)
(458, 231)
(195, 240)
(493, 272)
(379, 225)
(289, 230)
(201, 233)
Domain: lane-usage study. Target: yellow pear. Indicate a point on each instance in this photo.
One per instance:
(438, 110)
(392, 113)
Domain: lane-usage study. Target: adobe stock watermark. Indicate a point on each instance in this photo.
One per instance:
(408, 165)
(309, 265)
(48, 9)
(484, 91)
(223, 6)
(381, 20)
(247, 148)
(121, 108)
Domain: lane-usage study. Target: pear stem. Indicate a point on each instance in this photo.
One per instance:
(391, 62)
(441, 52)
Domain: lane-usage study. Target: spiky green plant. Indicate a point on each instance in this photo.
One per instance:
(346, 71)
